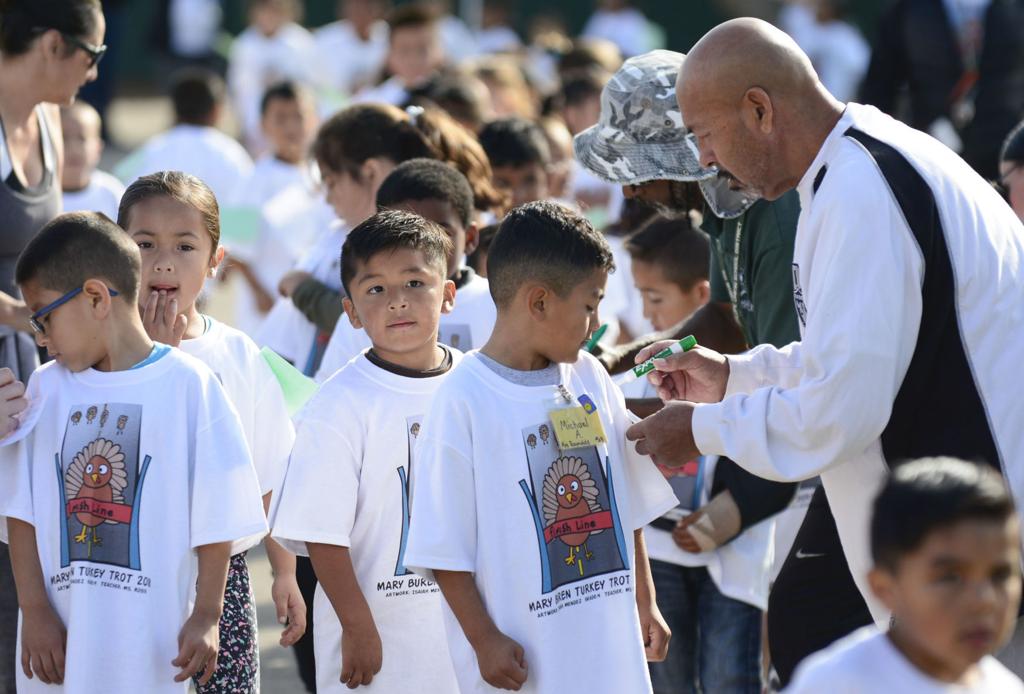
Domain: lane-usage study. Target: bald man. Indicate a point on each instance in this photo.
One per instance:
(907, 276)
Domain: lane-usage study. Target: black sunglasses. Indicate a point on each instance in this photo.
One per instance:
(95, 53)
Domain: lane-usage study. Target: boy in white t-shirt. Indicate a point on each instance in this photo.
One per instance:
(123, 499)
(194, 145)
(415, 54)
(281, 182)
(945, 541)
(527, 506)
(85, 187)
(345, 498)
(437, 192)
(273, 47)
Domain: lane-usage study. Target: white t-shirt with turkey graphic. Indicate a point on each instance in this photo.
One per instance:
(547, 532)
(348, 484)
(468, 326)
(123, 476)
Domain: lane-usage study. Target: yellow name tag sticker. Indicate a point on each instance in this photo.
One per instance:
(576, 428)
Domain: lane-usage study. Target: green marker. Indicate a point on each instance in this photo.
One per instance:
(641, 370)
(595, 338)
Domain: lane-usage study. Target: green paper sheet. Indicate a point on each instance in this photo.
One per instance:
(297, 388)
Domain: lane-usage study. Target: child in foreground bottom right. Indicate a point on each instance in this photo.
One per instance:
(945, 540)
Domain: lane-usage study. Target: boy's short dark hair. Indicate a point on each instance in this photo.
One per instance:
(79, 246)
(675, 245)
(582, 84)
(389, 230)
(286, 90)
(196, 93)
(412, 16)
(515, 142)
(546, 242)
(427, 179)
(926, 495)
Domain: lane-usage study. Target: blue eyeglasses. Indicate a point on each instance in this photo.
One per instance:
(34, 321)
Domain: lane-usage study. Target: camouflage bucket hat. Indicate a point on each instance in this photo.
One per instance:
(640, 136)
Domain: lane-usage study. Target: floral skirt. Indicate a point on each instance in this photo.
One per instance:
(238, 660)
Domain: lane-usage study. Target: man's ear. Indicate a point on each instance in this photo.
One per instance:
(350, 311)
(449, 296)
(472, 239)
(758, 104)
(215, 261)
(99, 297)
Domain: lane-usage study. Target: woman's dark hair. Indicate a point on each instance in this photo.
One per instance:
(367, 131)
(23, 21)
(1013, 145)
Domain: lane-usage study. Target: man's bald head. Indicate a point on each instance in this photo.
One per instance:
(750, 95)
(745, 53)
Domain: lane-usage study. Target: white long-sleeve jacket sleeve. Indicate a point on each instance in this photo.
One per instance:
(790, 414)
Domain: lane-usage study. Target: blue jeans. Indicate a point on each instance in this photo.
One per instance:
(716, 641)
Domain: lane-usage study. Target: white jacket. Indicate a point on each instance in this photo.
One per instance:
(907, 277)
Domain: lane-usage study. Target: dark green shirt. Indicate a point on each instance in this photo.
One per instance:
(751, 268)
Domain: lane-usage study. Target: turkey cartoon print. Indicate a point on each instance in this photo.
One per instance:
(571, 497)
(97, 473)
(570, 493)
(100, 475)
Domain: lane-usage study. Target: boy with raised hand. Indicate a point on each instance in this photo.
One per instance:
(122, 501)
(945, 541)
(345, 497)
(527, 508)
(437, 192)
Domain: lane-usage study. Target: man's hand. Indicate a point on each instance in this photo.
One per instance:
(198, 643)
(667, 436)
(362, 654)
(291, 281)
(655, 632)
(699, 375)
(291, 608)
(162, 321)
(502, 661)
(43, 641)
(12, 401)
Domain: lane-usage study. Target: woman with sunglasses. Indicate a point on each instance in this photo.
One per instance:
(1011, 170)
(49, 49)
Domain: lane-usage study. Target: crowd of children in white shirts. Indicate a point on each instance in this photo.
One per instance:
(460, 481)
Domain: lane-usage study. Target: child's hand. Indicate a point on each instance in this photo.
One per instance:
(43, 640)
(655, 632)
(291, 608)
(681, 533)
(502, 661)
(162, 321)
(291, 281)
(198, 643)
(361, 654)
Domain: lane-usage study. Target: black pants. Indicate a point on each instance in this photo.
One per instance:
(306, 578)
(814, 600)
